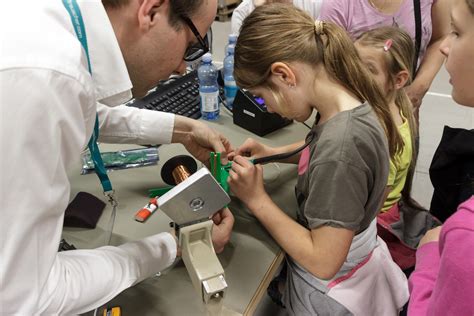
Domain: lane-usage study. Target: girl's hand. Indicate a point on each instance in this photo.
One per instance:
(252, 148)
(246, 181)
(431, 235)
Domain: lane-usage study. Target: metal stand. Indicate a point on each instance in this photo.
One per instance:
(190, 204)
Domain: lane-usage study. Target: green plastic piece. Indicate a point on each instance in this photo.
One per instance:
(158, 191)
(219, 171)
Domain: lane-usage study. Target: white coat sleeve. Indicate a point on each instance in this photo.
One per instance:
(82, 280)
(42, 135)
(129, 125)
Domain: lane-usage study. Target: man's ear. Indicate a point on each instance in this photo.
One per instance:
(401, 79)
(150, 11)
(282, 74)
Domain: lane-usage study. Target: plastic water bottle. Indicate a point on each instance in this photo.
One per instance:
(231, 41)
(208, 88)
(230, 88)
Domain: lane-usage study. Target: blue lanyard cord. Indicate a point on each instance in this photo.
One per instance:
(97, 158)
(76, 17)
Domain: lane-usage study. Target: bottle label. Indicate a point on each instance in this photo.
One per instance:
(230, 90)
(209, 101)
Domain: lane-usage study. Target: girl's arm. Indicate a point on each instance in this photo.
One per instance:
(321, 251)
(443, 277)
(254, 149)
(433, 58)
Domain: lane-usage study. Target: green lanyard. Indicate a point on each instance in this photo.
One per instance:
(73, 9)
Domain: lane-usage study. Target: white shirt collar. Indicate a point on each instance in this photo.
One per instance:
(109, 72)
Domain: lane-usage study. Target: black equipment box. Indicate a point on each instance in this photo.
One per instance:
(251, 113)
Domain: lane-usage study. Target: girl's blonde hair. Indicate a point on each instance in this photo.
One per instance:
(284, 33)
(398, 56)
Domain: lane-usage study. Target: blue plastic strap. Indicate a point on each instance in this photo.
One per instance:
(76, 17)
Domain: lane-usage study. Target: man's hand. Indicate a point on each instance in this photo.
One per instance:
(222, 229)
(199, 139)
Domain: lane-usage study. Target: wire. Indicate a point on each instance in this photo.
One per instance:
(271, 158)
(110, 230)
(306, 125)
(224, 103)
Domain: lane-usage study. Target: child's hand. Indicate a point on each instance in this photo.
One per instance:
(252, 148)
(246, 180)
(431, 235)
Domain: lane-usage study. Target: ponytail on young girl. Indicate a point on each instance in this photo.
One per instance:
(284, 33)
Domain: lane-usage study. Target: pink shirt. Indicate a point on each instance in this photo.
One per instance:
(443, 280)
(358, 16)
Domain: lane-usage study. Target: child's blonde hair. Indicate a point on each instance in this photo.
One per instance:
(283, 33)
(398, 56)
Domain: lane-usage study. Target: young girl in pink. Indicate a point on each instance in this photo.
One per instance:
(443, 280)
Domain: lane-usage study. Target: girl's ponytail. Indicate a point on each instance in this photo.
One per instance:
(343, 63)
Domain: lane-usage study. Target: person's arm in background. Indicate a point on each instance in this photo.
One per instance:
(433, 59)
(239, 14)
(442, 283)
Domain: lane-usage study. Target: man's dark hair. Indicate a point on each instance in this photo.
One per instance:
(178, 8)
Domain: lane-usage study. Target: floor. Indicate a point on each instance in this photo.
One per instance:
(438, 109)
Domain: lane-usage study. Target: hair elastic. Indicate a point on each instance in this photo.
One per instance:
(318, 27)
(387, 45)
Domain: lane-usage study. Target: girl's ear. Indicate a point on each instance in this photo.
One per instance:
(282, 74)
(401, 79)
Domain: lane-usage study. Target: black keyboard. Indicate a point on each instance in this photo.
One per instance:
(179, 96)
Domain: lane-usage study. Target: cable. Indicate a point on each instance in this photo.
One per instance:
(224, 103)
(262, 160)
(306, 125)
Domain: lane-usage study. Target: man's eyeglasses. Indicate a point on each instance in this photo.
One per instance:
(200, 48)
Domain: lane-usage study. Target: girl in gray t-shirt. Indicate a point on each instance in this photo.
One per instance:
(335, 260)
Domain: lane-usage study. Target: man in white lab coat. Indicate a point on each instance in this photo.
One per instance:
(48, 103)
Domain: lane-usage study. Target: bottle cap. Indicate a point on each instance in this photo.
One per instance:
(231, 49)
(207, 58)
(232, 38)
